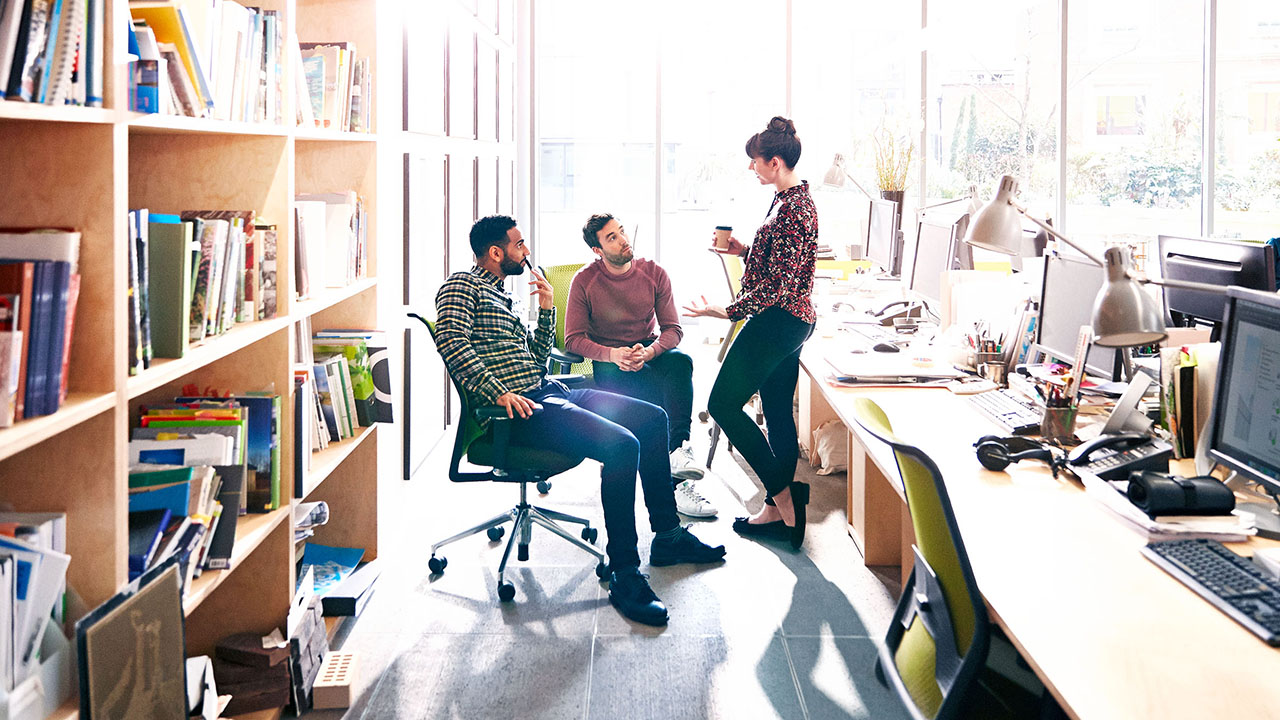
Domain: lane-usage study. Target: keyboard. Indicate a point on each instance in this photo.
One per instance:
(1231, 583)
(1010, 409)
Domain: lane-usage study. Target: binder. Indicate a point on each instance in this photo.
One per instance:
(169, 293)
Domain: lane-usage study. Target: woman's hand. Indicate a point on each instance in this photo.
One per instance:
(543, 289)
(733, 248)
(704, 310)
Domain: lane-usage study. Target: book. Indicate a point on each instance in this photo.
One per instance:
(133, 293)
(17, 278)
(183, 91)
(62, 61)
(267, 270)
(10, 16)
(175, 498)
(10, 367)
(33, 35)
(224, 534)
(41, 244)
(145, 529)
(349, 596)
(262, 446)
(169, 284)
(203, 449)
(169, 23)
(212, 237)
(250, 649)
(73, 299)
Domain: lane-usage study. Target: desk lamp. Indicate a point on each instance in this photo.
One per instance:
(1123, 314)
(837, 174)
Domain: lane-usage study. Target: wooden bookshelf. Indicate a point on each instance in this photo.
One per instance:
(85, 168)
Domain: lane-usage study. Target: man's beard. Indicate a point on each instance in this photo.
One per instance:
(509, 266)
(620, 259)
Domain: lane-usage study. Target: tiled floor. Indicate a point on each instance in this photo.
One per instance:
(770, 633)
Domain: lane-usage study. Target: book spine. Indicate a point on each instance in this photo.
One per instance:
(73, 298)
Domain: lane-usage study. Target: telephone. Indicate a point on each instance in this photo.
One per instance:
(910, 309)
(1112, 457)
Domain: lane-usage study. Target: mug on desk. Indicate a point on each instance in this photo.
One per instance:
(993, 371)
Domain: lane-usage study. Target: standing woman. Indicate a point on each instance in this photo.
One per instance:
(776, 286)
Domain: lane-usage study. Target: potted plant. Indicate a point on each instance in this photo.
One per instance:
(892, 162)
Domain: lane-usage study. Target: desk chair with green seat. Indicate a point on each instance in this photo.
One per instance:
(560, 277)
(514, 464)
(937, 643)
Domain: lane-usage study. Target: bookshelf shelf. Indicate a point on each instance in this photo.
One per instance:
(251, 529)
(321, 135)
(331, 297)
(78, 408)
(10, 110)
(165, 370)
(180, 124)
(324, 462)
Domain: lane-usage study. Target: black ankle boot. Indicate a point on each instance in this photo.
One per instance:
(799, 499)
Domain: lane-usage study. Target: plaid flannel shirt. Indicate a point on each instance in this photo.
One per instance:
(483, 343)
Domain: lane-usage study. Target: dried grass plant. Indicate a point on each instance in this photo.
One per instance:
(892, 160)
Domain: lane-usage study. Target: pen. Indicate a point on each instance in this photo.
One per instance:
(874, 379)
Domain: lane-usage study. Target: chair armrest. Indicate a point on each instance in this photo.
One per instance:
(569, 378)
(565, 357)
(497, 412)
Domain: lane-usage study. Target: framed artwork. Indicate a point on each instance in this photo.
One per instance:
(462, 81)
(426, 68)
(131, 651)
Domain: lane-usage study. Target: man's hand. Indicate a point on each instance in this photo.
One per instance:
(516, 404)
(705, 310)
(543, 289)
(629, 359)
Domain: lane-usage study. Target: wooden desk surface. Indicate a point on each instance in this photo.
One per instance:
(1112, 635)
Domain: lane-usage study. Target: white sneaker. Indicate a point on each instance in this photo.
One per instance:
(690, 502)
(683, 465)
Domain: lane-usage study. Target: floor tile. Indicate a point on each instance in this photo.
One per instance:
(676, 677)
(837, 681)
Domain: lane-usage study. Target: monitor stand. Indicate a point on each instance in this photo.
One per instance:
(1264, 508)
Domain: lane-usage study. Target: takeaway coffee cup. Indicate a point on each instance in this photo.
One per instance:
(722, 236)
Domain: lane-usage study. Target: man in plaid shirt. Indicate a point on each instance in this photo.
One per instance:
(498, 362)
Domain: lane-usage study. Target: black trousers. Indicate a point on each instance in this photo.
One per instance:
(665, 381)
(765, 357)
(626, 435)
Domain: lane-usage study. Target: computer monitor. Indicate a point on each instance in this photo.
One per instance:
(1216, 262)
(1066, 304)
(1243, 430)
(884, 245)
(935, 254)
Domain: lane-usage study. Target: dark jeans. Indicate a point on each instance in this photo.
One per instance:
(765, 357)
(625, 435)
(665, 381)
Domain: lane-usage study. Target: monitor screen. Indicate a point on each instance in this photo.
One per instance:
(1216, 262)
(882, 232)
(934, 256)
(1244, 432)
(1066, 304)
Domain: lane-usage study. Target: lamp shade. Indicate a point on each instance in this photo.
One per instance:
(835, 173)
(1125, 315)
(998, 225)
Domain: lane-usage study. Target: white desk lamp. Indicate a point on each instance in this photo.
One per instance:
(837, 174)
(1123, 314)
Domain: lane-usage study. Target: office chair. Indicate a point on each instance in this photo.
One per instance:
(513, 464)
(563, 361)
(938, 640)
(733, 270)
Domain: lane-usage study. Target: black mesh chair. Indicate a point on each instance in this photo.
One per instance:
(489, 448)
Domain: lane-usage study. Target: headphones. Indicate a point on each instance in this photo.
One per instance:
(996, 453)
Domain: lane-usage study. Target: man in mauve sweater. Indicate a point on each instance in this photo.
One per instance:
(615, 304)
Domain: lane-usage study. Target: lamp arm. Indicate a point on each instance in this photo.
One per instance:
(944, 202)
(1177, 284)
(1049, 229)
(855, 183)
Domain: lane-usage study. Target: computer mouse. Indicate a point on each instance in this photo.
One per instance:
(885, 347)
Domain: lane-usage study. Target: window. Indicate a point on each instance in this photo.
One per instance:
(1120, 114)
(1134, 115)
(992, 105)
(1264, 112)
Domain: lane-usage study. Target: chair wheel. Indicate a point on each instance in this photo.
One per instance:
(495, 533)
(506, 591)
(522, 553)
(437, 564)
(544, 487)
(704, 416)
(602, 570)
(590, 534)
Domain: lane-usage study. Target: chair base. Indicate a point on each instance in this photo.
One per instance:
(523, 517)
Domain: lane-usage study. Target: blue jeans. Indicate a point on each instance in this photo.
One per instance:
(624, 434)
(765, 357)
(665, 381)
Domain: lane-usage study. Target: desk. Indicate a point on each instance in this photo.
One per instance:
(1108, 632)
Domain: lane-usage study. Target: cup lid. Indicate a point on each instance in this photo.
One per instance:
(724, 227)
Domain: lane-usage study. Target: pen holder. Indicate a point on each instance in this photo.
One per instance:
(1058, 423)
(985, 358)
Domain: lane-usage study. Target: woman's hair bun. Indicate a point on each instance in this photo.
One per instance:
(780, 124)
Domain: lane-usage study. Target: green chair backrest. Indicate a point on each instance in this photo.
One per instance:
(469, 429)
(939, 543)
(560, 277)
